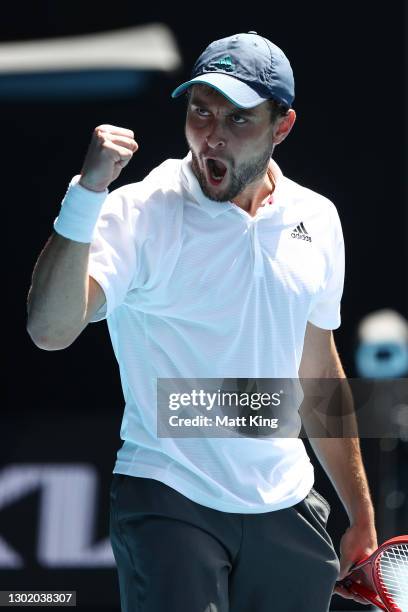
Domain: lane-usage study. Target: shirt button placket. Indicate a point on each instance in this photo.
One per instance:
(256, 250)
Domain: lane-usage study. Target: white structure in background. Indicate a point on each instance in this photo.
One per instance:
(67, 515)
(146, 47)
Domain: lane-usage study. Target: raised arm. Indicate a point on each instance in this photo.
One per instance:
(63, 297)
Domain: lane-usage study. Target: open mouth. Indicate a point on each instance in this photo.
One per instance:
(216, 170)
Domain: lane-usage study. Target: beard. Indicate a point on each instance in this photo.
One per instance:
(239, 177)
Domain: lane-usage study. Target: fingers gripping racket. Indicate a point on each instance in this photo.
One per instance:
(382, 577)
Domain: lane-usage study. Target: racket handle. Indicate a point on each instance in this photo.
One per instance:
(359, 589)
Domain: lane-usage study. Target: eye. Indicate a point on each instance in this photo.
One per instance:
(201, 112)
(238, 119)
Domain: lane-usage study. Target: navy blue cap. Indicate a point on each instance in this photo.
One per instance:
(246, 68)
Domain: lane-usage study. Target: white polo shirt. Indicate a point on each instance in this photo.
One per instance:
(200, 289)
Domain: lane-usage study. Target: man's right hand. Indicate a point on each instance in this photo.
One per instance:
(110, 150)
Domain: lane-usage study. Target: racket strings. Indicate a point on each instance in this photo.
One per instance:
(392, 571)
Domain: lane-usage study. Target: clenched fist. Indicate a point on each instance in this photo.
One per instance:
(110, 150)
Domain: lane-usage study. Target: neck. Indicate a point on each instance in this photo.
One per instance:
(255, 195)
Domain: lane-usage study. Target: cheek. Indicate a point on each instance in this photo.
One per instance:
(260, 135)
(255, 144)
(192, 134)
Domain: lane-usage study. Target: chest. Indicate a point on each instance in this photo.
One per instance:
(230, 268)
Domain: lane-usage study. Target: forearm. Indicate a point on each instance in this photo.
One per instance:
(341, 456)
(57, 300)
(342, 461)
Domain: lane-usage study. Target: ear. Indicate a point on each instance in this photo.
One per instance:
(283, 126)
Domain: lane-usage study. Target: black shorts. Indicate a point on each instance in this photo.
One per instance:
(174, 555)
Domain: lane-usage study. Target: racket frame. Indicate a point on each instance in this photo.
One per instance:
(380, 598)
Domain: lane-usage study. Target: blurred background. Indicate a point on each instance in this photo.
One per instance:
(68, 66)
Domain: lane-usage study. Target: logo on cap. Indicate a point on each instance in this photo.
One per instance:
(225, 63)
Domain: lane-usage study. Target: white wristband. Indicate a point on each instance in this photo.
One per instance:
(79, 212)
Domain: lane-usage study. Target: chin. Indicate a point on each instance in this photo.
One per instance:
(214, 194)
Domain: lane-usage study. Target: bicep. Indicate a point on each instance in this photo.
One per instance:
(320, 358)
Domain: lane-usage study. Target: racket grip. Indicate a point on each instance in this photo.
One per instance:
(359, 589)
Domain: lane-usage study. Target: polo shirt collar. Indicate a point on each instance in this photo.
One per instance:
(213, 208)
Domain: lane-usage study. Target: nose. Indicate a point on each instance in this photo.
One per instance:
(215, 137)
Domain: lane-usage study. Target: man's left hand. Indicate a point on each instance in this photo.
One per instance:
(358, 541)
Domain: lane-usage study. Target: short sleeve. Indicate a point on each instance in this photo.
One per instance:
(325, 311)
(113, 254)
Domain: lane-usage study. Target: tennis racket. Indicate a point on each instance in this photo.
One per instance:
(382, 577)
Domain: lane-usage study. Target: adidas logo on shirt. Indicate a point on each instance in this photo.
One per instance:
(301, 233)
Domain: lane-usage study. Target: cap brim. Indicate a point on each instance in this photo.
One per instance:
(237, 92)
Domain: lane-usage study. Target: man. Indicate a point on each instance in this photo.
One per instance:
(215, 266)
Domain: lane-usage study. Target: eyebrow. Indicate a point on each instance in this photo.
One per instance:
(196, 101)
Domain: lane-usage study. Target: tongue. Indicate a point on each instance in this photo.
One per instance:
(219, 168)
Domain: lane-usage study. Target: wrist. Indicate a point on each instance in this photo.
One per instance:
(98, 189)
(362, 514)
(79, 212)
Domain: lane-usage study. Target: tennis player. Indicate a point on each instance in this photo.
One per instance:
(213, 266)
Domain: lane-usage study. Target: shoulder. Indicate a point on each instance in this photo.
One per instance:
(147, 208)
(154, 196)
(303, 196)
(320, 211)
(160, 183)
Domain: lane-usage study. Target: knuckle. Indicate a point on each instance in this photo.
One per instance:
(100, 135)
(106, 148)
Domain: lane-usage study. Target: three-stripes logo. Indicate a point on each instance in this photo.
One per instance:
(301, 233)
